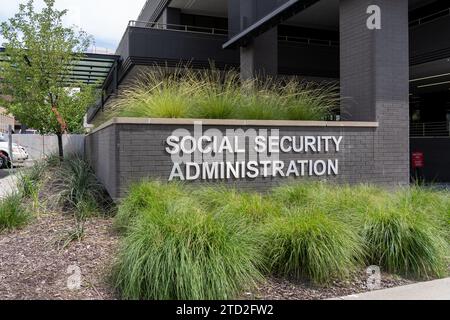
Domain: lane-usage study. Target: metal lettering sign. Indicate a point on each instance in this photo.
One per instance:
(251, 153)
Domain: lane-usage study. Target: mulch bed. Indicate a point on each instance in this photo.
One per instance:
(286, 289)
(33, 265)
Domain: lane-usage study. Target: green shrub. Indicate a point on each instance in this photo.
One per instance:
(311, 245)
(185, 242)
(78, 189)
(215, 197)
(13, 213)
(52, 160)
(216, 96)
(187, 93)
(261, 104)
(30, 179)
(219, 106)
(308, 101)
(435, 205)
(253, 207)
(185, 253)
(406, 242)
(160, 104)
(297, 194)
(346, 203)
(143, 196)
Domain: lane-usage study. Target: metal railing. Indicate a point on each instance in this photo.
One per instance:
(430, 129)
(309, 41)
(430, 18)
(171, 27)
(177, 27)
(223, 32)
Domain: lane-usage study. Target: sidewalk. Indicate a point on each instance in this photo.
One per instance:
(7, 182)
(433, 290)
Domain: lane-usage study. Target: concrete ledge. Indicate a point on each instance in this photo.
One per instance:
(243, 123)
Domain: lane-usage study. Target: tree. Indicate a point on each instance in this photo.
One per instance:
(41, 55)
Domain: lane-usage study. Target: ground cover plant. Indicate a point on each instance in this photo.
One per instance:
(18, 207)
(212, 94)
(13, 214)
(311, 231)
(51, 185)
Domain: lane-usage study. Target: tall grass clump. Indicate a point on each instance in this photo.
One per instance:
(184, 253)
(346, 203)
(212, 242)
(406, 242)
(213, 94)
(308, 101)
(311, 245)
(29, 180)
(252, 207)
(217, 95)
(77, 188)
(215, 197)
(158, 94)
(13, 214)
(434, 204)
(144, 196)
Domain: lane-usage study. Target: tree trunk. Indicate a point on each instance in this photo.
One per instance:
(60, 146)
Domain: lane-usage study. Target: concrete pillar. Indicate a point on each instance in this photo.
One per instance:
(375, 76)
(171, 16)
(260, 56)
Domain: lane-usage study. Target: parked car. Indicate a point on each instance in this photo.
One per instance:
(28, 131)
(3, 161)
(19, 154)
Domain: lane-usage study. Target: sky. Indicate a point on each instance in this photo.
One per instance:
(105, 20)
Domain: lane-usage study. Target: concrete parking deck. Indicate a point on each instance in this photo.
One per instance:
(432, 290)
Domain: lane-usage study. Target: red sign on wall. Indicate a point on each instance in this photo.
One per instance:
(418, 160)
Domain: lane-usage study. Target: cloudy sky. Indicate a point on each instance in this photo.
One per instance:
(106, 20)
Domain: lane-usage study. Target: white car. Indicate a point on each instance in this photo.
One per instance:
(19, 153)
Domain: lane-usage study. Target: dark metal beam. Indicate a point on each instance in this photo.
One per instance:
(282, 13)
(107, 57)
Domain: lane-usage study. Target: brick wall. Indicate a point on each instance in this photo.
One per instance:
(122, 153)
(102, 152)
(375, 80)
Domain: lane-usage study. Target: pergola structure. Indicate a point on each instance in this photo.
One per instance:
(92, 69)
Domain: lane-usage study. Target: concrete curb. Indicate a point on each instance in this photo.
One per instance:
(432, 290)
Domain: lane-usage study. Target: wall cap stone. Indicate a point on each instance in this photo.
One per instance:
(234, 123)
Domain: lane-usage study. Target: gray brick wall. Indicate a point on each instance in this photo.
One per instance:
(375, 80)
(125, 153)
(101, 153)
